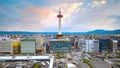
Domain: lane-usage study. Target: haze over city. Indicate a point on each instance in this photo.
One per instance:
(41, 15)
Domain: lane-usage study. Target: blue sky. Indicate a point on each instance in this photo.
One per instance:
(40, 15)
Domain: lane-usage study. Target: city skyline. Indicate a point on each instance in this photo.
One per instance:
(41, 15)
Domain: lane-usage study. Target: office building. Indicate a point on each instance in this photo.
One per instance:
(89, 45)
(60, 44)
(118, 45)
(105, 45)
(92, 46)
(6, 46)
(28, 46)
(16, 47)
(81, 43)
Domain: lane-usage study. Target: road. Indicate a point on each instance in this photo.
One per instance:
(100, 64)
(76, 57)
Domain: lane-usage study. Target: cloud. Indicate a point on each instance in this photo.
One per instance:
(68, 9)
(98, 3)
(96, 18)
(95, 3)
(103, 2)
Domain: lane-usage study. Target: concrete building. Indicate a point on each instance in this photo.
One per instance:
(92, 46)
(60, 44)
(115, 44)
(89, 45)
(39, 44)
(16, 47)
(28, 46)
(6, 46)
(81, 44)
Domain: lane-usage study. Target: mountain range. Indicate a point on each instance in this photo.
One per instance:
(89, 32)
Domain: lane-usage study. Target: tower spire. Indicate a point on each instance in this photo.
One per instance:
(59, 10)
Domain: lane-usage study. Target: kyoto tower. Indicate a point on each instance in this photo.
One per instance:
(59, 16)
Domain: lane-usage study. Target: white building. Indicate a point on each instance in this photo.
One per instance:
(5, 46)
(89, 45)
(115, 43)
(70, 65)
(92, 46)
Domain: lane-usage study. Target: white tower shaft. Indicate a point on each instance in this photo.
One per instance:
(59, 31)
(59, 17)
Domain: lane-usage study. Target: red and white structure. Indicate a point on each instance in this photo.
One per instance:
(59, 16)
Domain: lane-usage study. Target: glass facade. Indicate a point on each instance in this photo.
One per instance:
(104, 45)
(60, 45)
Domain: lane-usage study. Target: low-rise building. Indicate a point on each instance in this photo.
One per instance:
(60, 44)
(16, 47)
(6, 46)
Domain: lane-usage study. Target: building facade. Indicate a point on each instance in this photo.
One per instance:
(16, 47)
(92, 46)
(104, 45)
(59, 44)
(28, 46)
(118, 45)
(6, 46)
(89, 45)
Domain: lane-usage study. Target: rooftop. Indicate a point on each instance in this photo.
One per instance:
(59, 39)
(29, 58)
(28, 40)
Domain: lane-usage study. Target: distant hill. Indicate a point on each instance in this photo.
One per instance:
(104, 32)
(89, 32)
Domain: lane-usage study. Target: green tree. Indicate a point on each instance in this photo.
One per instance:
(37, 66)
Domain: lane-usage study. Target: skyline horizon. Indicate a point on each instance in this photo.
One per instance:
(98, 31)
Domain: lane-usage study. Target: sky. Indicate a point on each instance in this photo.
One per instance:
(41, 15)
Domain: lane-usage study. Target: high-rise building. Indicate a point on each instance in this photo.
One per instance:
(118, 45)
(92, 46)
(115, 43)
(105, 45)
(89, 45)
(28, 46)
